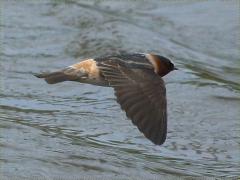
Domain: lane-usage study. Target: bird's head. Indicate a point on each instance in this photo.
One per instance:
(166, 63)
(162, 65)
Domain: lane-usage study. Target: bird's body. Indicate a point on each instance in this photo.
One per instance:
(136, 79)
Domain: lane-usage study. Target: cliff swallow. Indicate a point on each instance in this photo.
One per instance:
(138, 84)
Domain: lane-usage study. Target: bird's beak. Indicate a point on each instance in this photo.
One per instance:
(175, 68)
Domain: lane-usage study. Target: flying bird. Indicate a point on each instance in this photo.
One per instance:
(137, 82)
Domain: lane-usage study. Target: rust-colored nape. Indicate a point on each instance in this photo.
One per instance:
(159, 64)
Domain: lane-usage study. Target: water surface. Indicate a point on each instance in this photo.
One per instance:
(76, 130)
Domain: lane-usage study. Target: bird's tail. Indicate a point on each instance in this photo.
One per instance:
(54, 77)
(76, 72)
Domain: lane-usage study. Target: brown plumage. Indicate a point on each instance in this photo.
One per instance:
(136, 79)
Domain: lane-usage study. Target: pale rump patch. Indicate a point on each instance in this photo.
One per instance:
(88, 66)
(153, 60)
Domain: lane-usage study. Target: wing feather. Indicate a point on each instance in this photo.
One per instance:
(142, 95)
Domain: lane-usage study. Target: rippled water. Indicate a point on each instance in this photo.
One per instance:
(75, 130)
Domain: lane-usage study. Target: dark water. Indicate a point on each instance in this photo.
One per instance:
(76, 130)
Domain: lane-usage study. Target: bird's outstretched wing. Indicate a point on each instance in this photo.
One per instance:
(142, 95)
